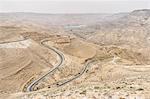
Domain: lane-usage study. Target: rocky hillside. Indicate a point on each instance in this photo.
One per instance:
(105, 55)
(130, 28)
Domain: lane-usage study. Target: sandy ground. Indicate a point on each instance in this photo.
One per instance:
(117, 44)
(20, 62)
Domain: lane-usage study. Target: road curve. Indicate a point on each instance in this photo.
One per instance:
(88, 61)
(60, 63)
(61, 57)
(77, 75)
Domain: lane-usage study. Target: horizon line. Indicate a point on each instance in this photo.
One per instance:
(34, 12)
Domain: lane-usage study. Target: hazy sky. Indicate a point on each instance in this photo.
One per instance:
(73, 6)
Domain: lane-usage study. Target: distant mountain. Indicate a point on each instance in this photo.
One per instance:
(132, 28)
(126, 28)
(143, 12)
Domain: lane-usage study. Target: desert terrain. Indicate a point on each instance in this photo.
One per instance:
(75, 56)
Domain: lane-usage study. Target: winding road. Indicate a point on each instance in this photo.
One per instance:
(77, 75)
(61, 60)
(30, 87)
(61, 57)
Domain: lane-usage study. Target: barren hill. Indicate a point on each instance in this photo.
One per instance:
(75, 55)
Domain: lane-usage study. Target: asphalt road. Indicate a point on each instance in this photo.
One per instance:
(61, 60)
(61, 57)
(60, 63)
(77, 75)
(30, 87)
